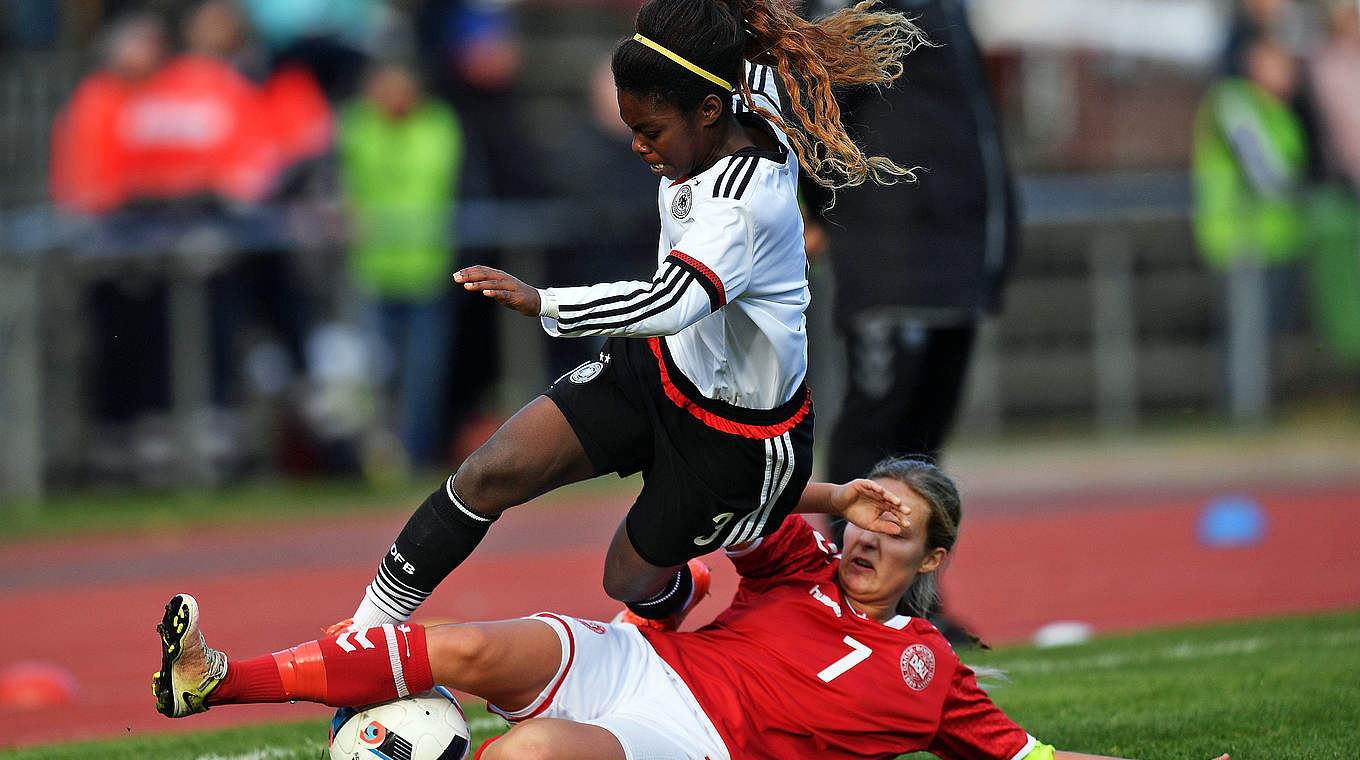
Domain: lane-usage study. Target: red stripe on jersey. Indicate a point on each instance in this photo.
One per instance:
(712, 420)
(707, 273)
(571, 655)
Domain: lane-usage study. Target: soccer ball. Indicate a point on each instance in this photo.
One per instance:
(427, 726)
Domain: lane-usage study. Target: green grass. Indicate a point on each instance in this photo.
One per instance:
(304, 740)
(102, 512)
(1279, 689)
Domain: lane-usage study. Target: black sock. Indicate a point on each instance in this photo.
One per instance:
(441, 533)
(670, 600)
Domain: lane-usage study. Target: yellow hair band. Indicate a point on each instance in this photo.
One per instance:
(723, 83)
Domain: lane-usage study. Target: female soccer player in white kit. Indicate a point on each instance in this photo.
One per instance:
(701, 384)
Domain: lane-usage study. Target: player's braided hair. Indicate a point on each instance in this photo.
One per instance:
(942, 529)
(852, 46)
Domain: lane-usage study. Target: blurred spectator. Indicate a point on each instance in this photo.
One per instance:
(473, 50)
(1293, 26)
(128, 375)
(145, 129)
(170, 155)
(1335, 77)
(86, 169)
(472, 54)
(216, 29)
(1250, 161)
(257, 298)
(401, 155)
(918, 265)
(1335, 74)
(618, 205)
(1249, 167)
(1291, 23)
(326, 37)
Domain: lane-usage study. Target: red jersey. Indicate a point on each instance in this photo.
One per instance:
(790, 668)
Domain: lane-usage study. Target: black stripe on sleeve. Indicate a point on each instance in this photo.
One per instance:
(715, 296)
(687, 279)
(674, 278)
(660, 275)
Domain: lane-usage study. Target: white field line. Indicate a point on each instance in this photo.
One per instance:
(1175, 653)
(268, 753)
(478, 724)
(487, 723)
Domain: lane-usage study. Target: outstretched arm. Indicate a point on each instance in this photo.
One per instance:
(508, 290)
(862, 501)
(674, 299)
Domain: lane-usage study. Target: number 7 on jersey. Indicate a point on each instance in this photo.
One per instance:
(858, 653)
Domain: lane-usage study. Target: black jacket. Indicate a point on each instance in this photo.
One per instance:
(942, 245)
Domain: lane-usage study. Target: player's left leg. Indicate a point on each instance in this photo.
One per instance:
(661, 596)
(534, 452)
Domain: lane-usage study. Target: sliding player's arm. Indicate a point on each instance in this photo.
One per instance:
(862, 502)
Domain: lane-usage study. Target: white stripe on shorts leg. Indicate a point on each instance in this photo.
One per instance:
(740, 527)
(394, 655)
(769, 472)
(778, 481)
(783, 482)
(747, 528)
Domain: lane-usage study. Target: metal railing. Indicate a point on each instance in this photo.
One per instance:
(1100, 209)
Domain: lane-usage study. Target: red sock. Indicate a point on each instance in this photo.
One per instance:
(358, 668)
(249, 681)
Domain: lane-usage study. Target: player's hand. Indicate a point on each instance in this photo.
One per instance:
(506, 289)
(871, 506)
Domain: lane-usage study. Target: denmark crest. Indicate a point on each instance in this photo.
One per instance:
(682, 202)
(918, 666)
(586, 372)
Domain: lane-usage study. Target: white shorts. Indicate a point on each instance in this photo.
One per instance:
(612, 678)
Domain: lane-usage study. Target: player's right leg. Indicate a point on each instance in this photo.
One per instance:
(534, 452)
(510, 663)
(190, 669)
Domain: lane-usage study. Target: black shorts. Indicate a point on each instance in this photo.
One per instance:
(713, 474)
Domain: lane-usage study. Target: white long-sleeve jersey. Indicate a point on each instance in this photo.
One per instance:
(731, 287)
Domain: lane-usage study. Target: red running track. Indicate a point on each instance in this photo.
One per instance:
(1117, 561)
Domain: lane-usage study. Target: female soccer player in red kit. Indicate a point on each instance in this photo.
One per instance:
(821, 654)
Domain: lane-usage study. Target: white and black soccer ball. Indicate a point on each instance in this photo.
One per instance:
(427, 726)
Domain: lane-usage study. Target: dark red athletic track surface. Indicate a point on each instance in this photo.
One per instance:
(1117, 561)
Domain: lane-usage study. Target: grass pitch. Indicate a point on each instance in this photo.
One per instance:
(1280, 689)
